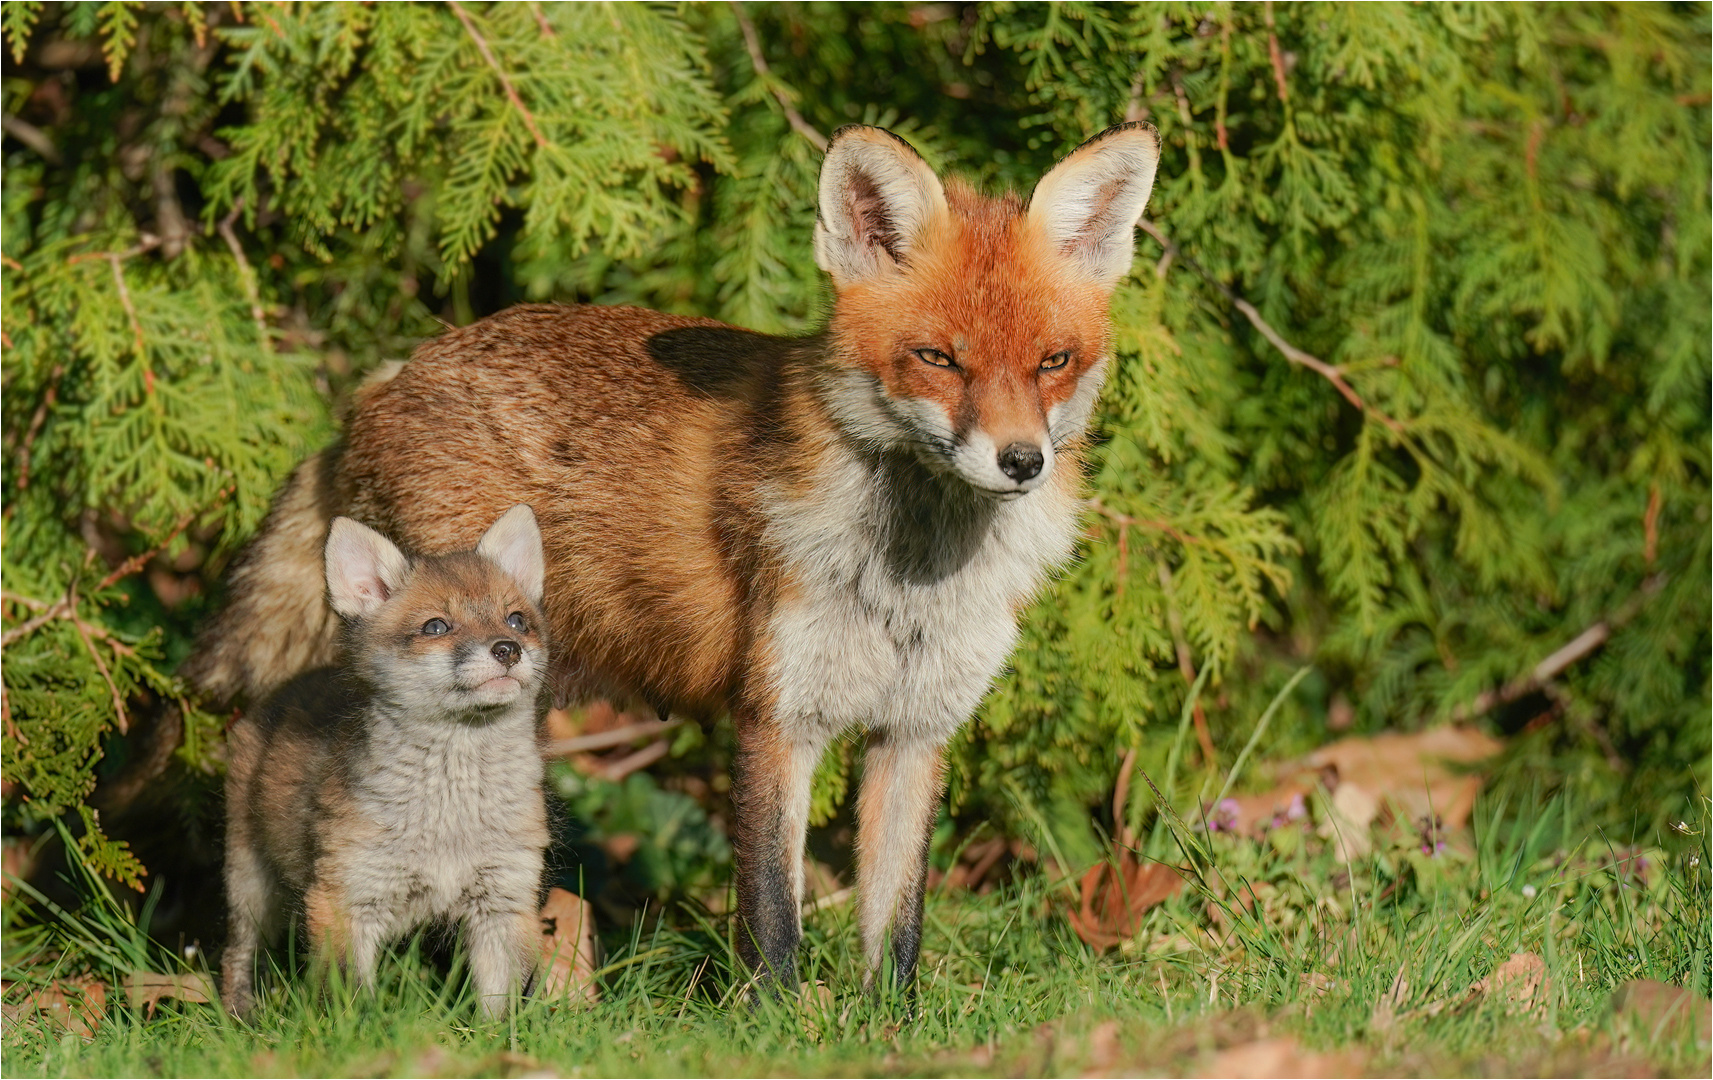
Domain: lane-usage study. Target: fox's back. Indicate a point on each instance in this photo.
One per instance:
(635, 433)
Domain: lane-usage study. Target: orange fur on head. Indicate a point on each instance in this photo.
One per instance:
(983, 285)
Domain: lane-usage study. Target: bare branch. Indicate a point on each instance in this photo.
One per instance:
(1290, 352)
(505, 82)
(603, 740)
(136, 562)
(1570, 652)
(792, 116)
(642, 759)
(31, 136)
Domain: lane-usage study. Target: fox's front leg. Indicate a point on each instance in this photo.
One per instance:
(770, 800)
(901, 783)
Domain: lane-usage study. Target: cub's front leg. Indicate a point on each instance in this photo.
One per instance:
(501, 940)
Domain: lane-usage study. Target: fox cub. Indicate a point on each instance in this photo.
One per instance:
(405, 785)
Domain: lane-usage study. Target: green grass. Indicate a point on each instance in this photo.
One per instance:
(1007, 989)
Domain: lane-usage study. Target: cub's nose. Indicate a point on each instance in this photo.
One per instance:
(507, 652)
(1021, 461)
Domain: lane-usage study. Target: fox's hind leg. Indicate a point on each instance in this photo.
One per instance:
(901, 783)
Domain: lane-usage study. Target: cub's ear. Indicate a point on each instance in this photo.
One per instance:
(877, 194)
(363, 568)
(1089, 203)
(513, 543)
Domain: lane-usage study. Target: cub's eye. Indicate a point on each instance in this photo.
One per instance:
(517, 622)
(1057, 360)
(936, 358)
(436, 627)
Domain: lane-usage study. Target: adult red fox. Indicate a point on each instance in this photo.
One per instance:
(809, 533)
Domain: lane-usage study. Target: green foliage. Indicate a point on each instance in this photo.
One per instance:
(1480, 235)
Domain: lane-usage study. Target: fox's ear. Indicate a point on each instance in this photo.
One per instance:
(877, 194)
(1089, 203)
(513, 543)
(363, 568)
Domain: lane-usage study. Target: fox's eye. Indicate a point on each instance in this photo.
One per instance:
(436, 627)
(1057, 360)
(936, 357)
(517, 622)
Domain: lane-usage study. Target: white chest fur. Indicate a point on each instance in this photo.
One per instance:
(455, 811)
(903, 588)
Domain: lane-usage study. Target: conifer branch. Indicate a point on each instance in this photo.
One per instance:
(541, 22)
(505, 82)
(36, 421)
(246, 275)
(1297, 356)
(792, 116)
(120, 720)
(1123, 519)
(1274, 54)
(125, 302)
(1186, 665)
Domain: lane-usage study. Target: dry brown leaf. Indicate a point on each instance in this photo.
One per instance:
(1351, 815)
(1660, 1008)
(146, 989)
(77, 1005)
(568, 947)
(17, 860)
(1408, 773)
(1281, 1057)
(1115, 897)
(1521, 982)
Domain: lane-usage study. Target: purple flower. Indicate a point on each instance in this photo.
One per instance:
(1223, 816)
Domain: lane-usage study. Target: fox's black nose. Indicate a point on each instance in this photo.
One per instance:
(1021, 461)
(507, 652)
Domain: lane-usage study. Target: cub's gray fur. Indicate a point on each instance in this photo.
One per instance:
(405, 785)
